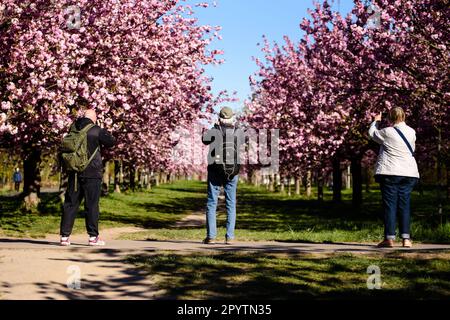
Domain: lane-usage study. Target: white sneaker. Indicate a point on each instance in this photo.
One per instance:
(96, 241)
(65, 242)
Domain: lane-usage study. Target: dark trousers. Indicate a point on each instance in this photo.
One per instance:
(89, 189)
(17, 186)
(396, 194)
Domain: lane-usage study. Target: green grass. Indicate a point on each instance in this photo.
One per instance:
(262, 276)
(261, 215)
(271, 216)
(154, 209)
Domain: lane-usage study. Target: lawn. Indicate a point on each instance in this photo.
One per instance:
(158, 208)
(261, 215)
(245, 276)
(272, 216)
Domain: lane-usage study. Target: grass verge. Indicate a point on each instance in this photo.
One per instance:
(277, 277)
(261, 215)
(158, 208)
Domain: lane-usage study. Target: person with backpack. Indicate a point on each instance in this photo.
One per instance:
(17, 178)
(81, 157)
(397, 173)
(223, 171)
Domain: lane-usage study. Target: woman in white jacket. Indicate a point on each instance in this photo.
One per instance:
(397, 172)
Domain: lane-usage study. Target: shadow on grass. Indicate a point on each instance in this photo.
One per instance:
(239, 276)
(263, 211)
(156, 215)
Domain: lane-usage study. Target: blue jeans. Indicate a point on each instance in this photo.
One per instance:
(396, 194)
(230, 187)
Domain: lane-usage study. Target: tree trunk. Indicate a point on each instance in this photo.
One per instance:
(440, 178)
(282, 186)
(420, 187)
(368, 179)
(448, 181)
(254, 178)
(271, 182)
(357, 181)
(337, 180)
(149, 182)
(257, 178)
(297, 185)
(142, 179)
(132, 173)
(289, 186)
(347, 178)
(308, 184)
(117, 170)
(320, 186)
(121, 174)
(32, 178)
(105, 179)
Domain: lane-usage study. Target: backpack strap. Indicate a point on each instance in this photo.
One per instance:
(93, 155)
(406, 140)
(73, 127)
(87, 128)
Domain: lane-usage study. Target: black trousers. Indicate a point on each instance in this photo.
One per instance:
(90, 190)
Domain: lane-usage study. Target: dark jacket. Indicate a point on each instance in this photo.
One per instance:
(17, 177)
(215, 168)
(96, 137)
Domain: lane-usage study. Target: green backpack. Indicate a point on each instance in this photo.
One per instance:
(75, 154)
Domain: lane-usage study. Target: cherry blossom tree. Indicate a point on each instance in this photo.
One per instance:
(323, 91)
(137, 62)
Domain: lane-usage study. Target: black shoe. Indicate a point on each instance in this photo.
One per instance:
(209, 241)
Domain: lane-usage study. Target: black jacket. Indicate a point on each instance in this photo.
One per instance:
(96, 137)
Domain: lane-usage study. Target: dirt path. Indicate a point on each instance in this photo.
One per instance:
(198, 219)
(45, 273)
(194, 220)
(40, 269)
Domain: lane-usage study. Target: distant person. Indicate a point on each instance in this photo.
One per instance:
(17, 178)
(397, 173)
(222, 172)
(87, 183)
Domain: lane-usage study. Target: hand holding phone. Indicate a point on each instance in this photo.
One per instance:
(379, 117)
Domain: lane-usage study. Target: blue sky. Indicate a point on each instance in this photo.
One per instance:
(243, 23)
